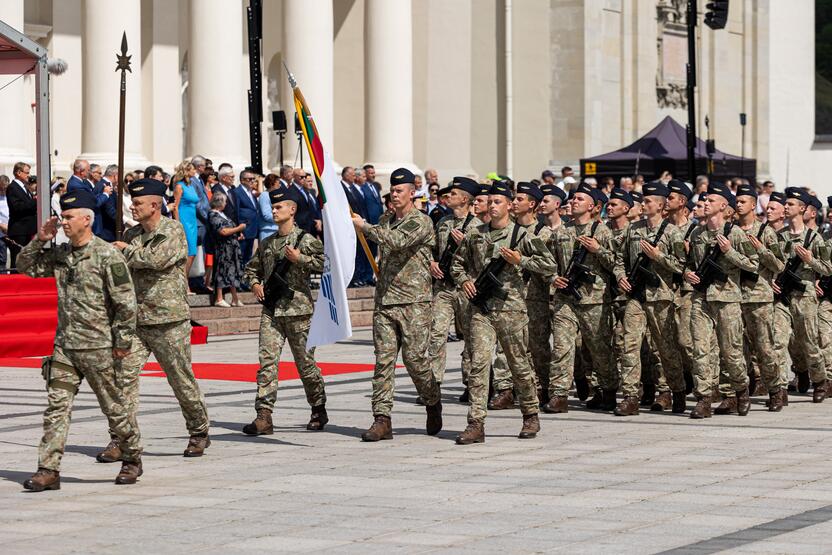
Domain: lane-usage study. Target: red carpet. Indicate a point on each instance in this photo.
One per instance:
(29, 316)
(215, 371)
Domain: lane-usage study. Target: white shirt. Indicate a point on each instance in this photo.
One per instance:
(4, 210)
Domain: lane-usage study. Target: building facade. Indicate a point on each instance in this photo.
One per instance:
(465, 86)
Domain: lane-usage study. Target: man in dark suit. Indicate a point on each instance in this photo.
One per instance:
(363, 274)
(247, 211)
(79, 181)
(306, 214)
(108, 210)
(225, 185)
(23, 211)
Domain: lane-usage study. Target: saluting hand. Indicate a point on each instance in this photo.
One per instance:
(48, 230)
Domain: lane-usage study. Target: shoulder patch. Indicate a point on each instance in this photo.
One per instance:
(679, 249)
(538, 243)
(776, 250)
(120, 274)
(748, 249)
(411, 226)
(156, 241)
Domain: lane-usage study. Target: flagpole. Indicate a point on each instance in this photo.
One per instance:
(360, 234)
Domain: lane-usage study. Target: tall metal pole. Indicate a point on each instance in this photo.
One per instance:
(123, 65)
(691, 86)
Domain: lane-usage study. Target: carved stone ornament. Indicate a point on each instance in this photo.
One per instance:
(671, 45)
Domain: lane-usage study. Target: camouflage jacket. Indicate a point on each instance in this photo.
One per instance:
(271, 251)
(686, 232)
(96, 300)
(741, 256)
(600, 263)
(671, 258)
(820, 264)
(770, 264)
(617, 242)
(157, 264)
(483, 244)
(405, 250)
(443, 231)
(539, 286)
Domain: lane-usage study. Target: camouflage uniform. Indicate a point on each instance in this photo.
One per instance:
(592, 315)
(657, 312)
(801, 314)
(716, 315)
(507, 321)
(157, 263)
(402, 316)
(96, 313)
(291, 318)
(448, 301)
(682, 305)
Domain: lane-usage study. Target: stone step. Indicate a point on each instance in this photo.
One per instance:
(246, 319)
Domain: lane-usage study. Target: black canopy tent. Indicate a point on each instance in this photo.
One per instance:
(664, 148)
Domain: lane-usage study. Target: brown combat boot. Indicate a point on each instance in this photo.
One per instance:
(663, 402)
(582, 388)
(627, 407)
(556, 405)
(702, 408)
(760, 389)
(317, 421)
(474, 433)
(111, 453)
(382, 428)
(819, 394)
(775, 401)
(129, 473)
(680, 402)
(43, 479)
(743, 402)
(727, 406)
(260, 426)
(433, 423)
(502, 400)
(531, 425)
(197, 445)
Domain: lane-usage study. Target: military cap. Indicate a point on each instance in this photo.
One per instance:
(500, 188)
(690, 205)
(621, 194)
(78, 199)
(678, 186)
(798, 193)
(147, 187)
(465, 184)
(724, 192)
(285, 193)
(746, 190)
(815, 201)
(485, 189)
(547, 189)
(777, 196)
(401, 176)
(585, 189)
(828, 200)
(599, 197)
(446, 190)
(530, 189)
(654, 189)
(637, 197)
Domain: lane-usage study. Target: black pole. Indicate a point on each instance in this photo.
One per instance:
(122, 66)
(742, 146)
(255, 94)
(691, 85)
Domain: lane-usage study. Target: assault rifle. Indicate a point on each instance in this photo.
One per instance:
(677, 278)
(788, 281)
(276, 287)
(447, 257)
(642, 275)
(488, 283)
(578, 273)
(709, 270)
(750, 278)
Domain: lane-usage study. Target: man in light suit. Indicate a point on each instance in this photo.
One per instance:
(247, 211)
(80, 181)
(225, 185)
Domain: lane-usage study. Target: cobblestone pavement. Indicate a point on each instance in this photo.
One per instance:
(590, 483)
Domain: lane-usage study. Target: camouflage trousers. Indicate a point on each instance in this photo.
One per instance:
(171, 345)
(405, 327)
(69, 368)
(583, 363)
(825, 329)
(594, 322)
(681, 316)
(448, 307)
(716, 323)
(651, 365)
(509, 329)
(801, 318)
(275, 331)
(658, 317)
(758, 319)
(540, 349)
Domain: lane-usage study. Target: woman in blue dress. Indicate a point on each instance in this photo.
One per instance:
(185, 201)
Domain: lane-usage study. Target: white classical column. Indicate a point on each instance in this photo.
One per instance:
(216, 96)
(13, 105)
(388, 99)
(308, 52)
(104, 21)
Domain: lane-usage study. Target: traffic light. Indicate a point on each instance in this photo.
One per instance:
(717, 15)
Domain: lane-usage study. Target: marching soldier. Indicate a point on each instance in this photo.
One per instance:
(652, 252)
(96, 323)
(279, 277)
(402, 316)
(489, 268)
(448, 301)
(718, 252)
(156, 251)
(825, 311)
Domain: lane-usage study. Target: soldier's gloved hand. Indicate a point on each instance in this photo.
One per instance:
(48, 230)
(469, 289)
(457, 235)
(435, 271)
(257, 289)
(120, 353)
(624, 285)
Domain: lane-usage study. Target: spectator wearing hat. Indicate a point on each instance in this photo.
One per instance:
(228, 266)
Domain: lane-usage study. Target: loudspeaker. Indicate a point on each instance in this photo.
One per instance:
(742, 118)
(298, 130)
(279, 121)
